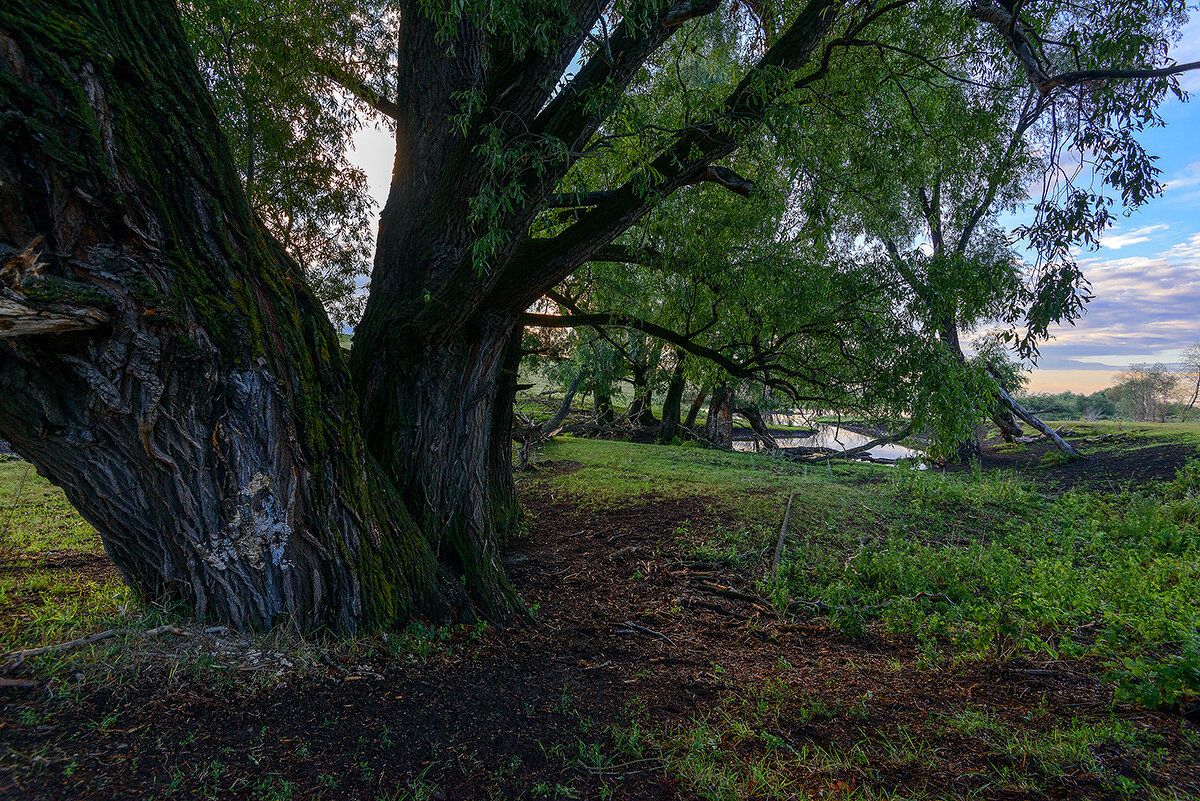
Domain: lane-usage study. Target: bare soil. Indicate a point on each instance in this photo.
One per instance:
(1116, 465)
(628, 631)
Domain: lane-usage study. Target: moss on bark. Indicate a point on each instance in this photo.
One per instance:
(211, 435)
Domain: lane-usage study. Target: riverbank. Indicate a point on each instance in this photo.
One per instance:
(986, 634)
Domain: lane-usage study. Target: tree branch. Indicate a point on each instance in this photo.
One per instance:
(355, 86)
(1083, 76)
(539, 264)
(1024, 45)
(570, 200)
(716, 174)
(572, 116)
(599, 320)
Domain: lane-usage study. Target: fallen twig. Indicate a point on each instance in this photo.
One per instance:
(782, 534)
(736, 595)
(19, 684)
(634, 627)
(701, 603)
(70, 645)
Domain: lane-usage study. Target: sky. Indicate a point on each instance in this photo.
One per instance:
(1145, 275)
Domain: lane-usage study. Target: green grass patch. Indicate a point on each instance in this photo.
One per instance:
(35, 515)
(1138, 433)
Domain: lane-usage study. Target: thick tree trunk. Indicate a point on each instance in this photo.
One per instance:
(969, 449)
(720, 417)
(439, 419)
(672, 403)
(196, 409)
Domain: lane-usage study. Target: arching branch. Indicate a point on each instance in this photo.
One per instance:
(1026, 47)
(722, 176)
(355, 86)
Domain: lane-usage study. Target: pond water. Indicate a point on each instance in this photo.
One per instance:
(825, 436)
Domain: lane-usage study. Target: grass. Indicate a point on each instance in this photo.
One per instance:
(1139, 433)
(971, 565)
(36, 517)
(43, 605)
(967, 568)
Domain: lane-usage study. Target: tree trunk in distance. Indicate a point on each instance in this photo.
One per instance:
(564, 408)
(602, 408)
(720, 417)
(1003, 417)
(1021, 412)
(967, 450)
(672, 403)
(759, 426)
(198, 412)
(640, 411)
(694, 410)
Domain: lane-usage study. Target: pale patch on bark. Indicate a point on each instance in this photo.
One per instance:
(258, 530)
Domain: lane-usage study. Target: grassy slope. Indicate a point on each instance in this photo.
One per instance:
(967, 567)
(1013, 569)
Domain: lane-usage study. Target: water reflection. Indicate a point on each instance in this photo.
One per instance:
(825, 436)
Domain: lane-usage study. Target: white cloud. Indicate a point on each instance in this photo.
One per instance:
(1146, 308)
(1188, 176)
(1117, 241)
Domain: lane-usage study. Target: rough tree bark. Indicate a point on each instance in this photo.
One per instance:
(196, 409)
(719, 428)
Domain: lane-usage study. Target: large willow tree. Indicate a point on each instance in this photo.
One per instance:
(165, 362)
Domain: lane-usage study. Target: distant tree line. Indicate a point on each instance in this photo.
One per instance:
(1143, 392)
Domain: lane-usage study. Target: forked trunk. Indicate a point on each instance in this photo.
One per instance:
(440, 419)
(602, 408)
(640, 411)
(170, 370)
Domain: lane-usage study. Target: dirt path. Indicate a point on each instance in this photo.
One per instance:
(631, 638)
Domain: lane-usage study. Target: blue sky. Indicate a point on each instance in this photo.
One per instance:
(1145, 275)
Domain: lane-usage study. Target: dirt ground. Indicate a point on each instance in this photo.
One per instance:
(629, 636)
(1108, 466)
